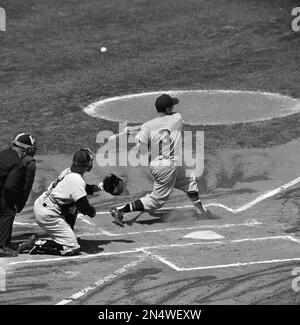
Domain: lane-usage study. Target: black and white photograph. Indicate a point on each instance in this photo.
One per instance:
(149, 155)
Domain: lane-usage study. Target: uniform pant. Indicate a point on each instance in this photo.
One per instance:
(166, 177)
(7, 217)
(50, 219)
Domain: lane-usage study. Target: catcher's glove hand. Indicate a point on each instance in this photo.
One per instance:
(113, 184)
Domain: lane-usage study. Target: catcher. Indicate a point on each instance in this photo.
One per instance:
(57, 208)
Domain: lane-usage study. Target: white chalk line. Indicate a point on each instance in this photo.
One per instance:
(221, 91)
(163, 260)
(268, 195)
(72, 258)
(238, 264)
(146, 250)
(222, 266)
(141, 249)
(232, 241)
(92, 224)
(293, 239)
(83, 219)
(102, 281)
(90, 109)
(251, 223)
(247, 206)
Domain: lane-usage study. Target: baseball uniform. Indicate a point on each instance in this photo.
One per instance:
(63, 193)
(163, 137)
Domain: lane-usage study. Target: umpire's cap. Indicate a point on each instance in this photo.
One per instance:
(27, 142)
(165, 101)
(24, 140)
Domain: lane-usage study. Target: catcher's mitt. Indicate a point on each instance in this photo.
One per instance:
(113, 184)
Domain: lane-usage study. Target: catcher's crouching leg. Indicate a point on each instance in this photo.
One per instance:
(50, 247)
(71, 219)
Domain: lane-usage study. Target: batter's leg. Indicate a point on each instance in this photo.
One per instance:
(164, 180)
(188, 184)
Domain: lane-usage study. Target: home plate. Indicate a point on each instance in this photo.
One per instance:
(209, 234)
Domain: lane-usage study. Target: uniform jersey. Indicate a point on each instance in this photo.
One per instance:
(67, 188)
(162, 137)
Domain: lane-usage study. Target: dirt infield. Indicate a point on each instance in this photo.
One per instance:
(153, 260)
(52, 68)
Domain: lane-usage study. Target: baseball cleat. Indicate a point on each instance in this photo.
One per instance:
(28, 244)
(37, 249)
(118, 217)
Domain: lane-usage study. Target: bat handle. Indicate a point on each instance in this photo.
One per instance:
(115, 136)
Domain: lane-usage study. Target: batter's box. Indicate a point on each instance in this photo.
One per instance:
(234, 253)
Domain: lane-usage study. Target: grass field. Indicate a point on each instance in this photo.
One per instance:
(51, 67)
(51, 64)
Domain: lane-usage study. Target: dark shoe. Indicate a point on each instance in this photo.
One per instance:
(28, 244)
(118, 217)
(37, 249)
(8, 252)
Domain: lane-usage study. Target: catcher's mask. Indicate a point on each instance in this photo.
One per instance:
(27, 142)
(84, 158)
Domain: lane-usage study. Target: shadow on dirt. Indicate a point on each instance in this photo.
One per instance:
(170, 216)
(225, 168)
(87, 245)
(94, 246)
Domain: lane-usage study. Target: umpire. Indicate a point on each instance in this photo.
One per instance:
(17, 172)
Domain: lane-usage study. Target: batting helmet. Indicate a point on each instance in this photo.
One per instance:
(165, 101)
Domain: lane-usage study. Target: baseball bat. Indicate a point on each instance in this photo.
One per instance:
(115, 136)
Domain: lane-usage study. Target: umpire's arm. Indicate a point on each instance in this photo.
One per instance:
(14, 186)
(29, 179)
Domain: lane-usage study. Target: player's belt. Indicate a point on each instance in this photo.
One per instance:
(48, 201)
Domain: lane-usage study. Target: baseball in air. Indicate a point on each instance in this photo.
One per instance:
(103, 49)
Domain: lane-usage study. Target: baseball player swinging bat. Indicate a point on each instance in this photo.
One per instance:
(164, 133)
